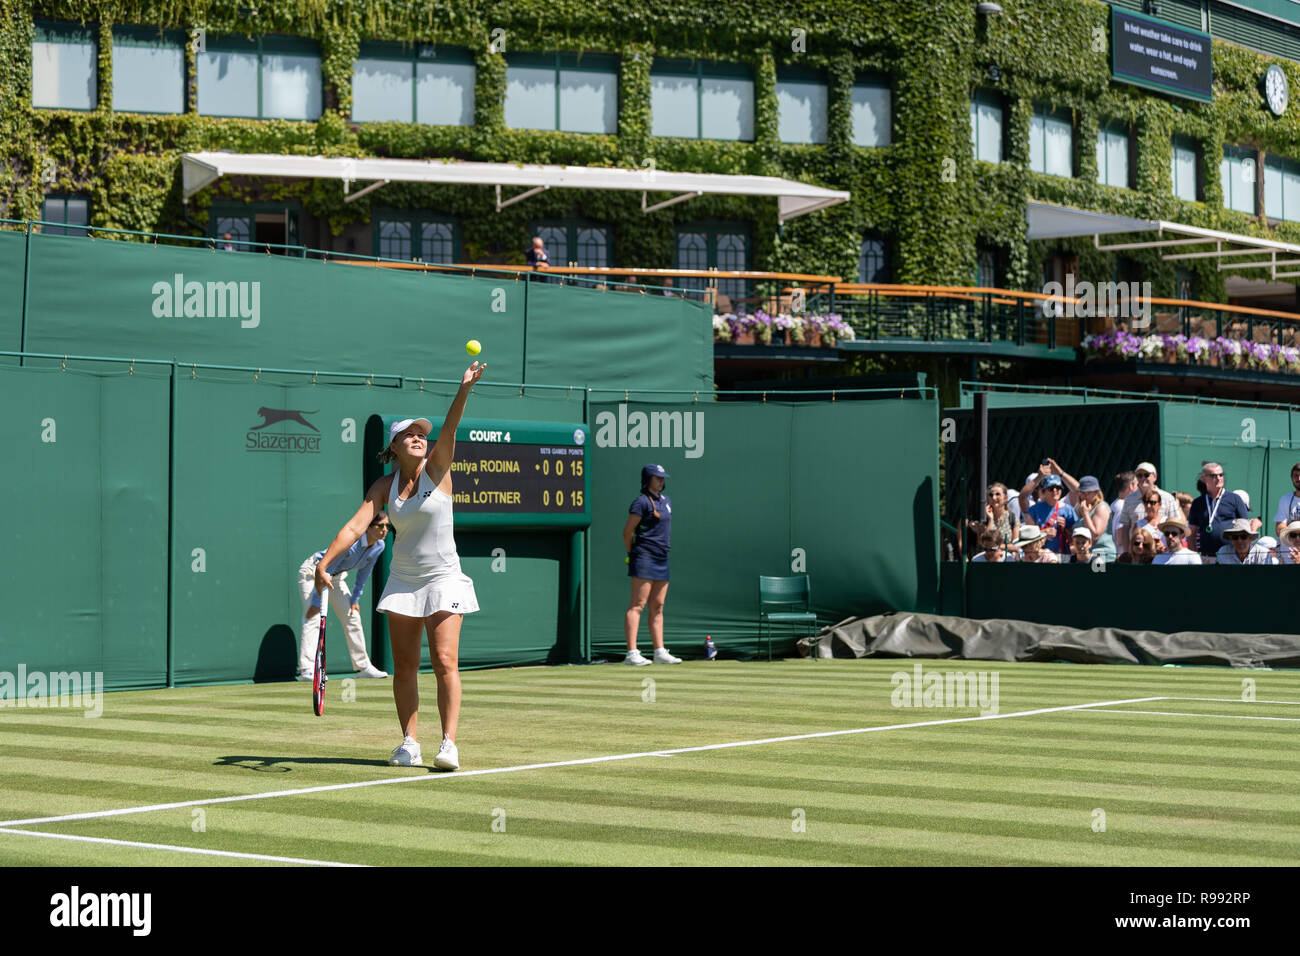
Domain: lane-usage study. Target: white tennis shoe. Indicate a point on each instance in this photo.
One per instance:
(370, 670)
(407, 754)
(448, 756)
(663, 657)
(635, 659)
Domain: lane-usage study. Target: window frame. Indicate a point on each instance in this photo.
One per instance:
(887, 259)
(83, 229)
(1113, 128)
(699, 70)
(989, 98)
(573, 224)
(712, 229)
(1046, 112)
(1192, 145)
(280, 45)
(1282, 165)
(417, 219)
(807, 75)
(606, 64)
(61, 31)
(1240, 153)
(414, 54)
(873, 81)
(138, 36)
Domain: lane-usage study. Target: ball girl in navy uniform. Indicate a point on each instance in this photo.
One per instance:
(646, 540)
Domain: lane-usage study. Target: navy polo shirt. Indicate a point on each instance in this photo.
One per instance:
(652, 534)
(1211, 537)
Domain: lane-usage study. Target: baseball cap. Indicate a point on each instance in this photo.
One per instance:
(1052, 481)
(397, 428)
(1081, 532)
(654, 471)
(1147, 467)
(1089, 483)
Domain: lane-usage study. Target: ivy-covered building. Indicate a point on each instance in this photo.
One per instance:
(943, 120)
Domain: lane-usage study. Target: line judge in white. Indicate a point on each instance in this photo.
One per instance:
(426, 589)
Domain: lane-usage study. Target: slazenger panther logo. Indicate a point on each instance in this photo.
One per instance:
(272, 415)
(287, 442)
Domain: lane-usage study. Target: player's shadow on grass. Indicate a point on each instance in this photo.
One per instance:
(277, 764)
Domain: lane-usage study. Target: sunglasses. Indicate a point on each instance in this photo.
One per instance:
(1213, 474)
(1236, 536)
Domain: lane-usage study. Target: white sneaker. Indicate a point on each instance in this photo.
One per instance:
(448, 756)
(663, 657)
(635, 659)
(406, 755)
(309, 676)
(370, 670)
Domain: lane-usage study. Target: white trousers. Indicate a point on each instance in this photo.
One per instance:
(340, 598)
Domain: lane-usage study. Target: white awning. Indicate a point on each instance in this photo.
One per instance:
(1047, 221)
(793, 198)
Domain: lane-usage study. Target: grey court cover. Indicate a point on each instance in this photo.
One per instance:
(904, 634)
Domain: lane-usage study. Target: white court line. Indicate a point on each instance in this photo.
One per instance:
(559, 763)
(1238, 700)
(1165, 713)
(174, 849)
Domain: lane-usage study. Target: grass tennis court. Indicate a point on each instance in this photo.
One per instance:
(1187, 782)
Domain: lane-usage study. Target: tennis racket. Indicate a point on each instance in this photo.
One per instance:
(318, 678)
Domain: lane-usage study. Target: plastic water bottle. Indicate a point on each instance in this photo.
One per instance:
(710, 649)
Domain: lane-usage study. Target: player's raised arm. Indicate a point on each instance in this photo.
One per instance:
(445, 449)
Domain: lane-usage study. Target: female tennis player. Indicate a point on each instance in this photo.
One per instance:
(426, 588)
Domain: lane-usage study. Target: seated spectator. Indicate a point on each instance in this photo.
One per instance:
(1133, 510)
(1241, 547)
(1029, 544)
(1288, 506)
(998, 515)
(1141, 550)
(1185, 504)
(992, 549)
(1081, 545)
(1289, 552)
(1054, 516)
(1176, 550)
(1087, 502)
(1152, 518)
(1125, 484)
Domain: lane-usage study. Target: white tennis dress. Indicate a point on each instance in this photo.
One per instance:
(424, 576)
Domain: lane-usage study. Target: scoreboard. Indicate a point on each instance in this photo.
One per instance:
(518, 474)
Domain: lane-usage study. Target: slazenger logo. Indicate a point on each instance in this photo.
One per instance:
(212, 300)
(285, 442)
(103, 909)
(651, 430)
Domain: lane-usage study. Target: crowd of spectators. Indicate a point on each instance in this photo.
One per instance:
(1055, 518)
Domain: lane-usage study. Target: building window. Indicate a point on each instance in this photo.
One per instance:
(266, 227)
(423, 84)
(1184, 285)
(1281, 189)
(563, 92)
(871, 113)
(64, 66)
(873, 260)
(1182, 169)
(1237, 177)
(573, 240)
(801, 99)
(1051, 143)
(700, 100)
(233, 233)
(263, 78)
(148, 70)
(721, 246)
(1112, 155)
(986, 127)
(68, 211)
(415, 238)
(986, 268)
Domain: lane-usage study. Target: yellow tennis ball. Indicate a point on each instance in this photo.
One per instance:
(473, 347)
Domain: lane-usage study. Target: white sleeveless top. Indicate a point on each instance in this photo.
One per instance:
(424, 547)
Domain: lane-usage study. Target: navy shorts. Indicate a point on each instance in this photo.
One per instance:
(647, 566)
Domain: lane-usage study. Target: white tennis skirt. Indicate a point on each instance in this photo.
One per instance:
(452, 592)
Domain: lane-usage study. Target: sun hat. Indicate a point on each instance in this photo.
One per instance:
(1029, 533)
(1089, 483)
(1173, 523)
(1238, 526)
(1291, 530)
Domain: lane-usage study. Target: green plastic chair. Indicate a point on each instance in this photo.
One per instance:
(792, 592)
